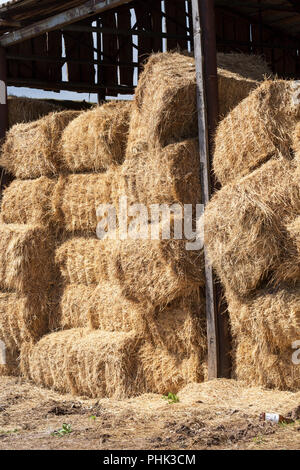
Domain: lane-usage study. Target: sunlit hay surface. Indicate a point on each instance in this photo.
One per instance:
(272, 315)
(161, 176)
(103, 307)
(91, 363)
(23, 319)
(26, 263)
(76, 199)
(245, 230)
(260, 364)
(83, 261)
(31, 149)
(164, 109)
(97, 138)
(259, 128)
(28, 202)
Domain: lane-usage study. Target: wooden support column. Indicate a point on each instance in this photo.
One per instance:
(4, 178)
(207, 102)
(3, 94)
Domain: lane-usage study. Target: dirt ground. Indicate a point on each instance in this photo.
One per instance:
(222, 414)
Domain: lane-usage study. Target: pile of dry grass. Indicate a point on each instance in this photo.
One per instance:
(32, 149)
(95, 364)
(26, 265)
(28, 202)
(96, 139)
(245, 230)
(259, 128)
(160, 176)
(260, 364)
(22, 109)
(76, 199)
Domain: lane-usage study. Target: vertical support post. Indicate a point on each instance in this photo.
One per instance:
(3, 107)
(3, 95)
(101, 93)
(207, 107)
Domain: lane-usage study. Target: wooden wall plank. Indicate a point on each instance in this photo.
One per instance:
(176, 12)
(109, 74)
(124, 46)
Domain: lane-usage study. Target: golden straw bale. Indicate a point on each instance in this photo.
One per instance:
(23, 318)
(251, 66)
(31, 149)
(160, 176)
(272, 315)
(175, 351)
(156, 271)
(165, 373)
(47, 361)
(166, 98)
(21, 109)
(104, 364)
(28, 202)
(94, 364)
(83, 261)
(102, 307)
(164, 110)
(180, 326)
(244, 226)
(97, 138)
(264, 365)
(26, 262)
(238, 75)
(76, 199)
(259, 128)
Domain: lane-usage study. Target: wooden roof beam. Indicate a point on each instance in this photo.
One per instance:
(90, 8)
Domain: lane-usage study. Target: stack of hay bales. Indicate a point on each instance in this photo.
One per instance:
(167, 94)
(28, 273)
(128, 314)
(252, 228)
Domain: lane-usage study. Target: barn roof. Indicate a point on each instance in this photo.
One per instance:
(281, 14)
